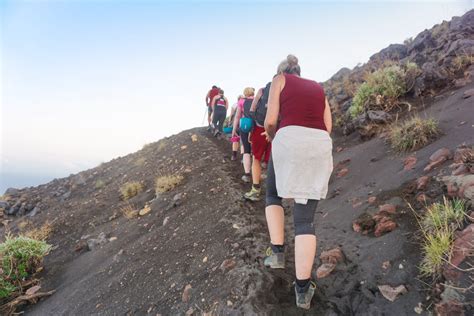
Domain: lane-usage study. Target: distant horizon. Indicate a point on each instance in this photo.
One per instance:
(85, 82)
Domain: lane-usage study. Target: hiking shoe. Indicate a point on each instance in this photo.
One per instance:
(274, 260)
(253, 195)
(246, 178)
(233, 158)
(305, 295)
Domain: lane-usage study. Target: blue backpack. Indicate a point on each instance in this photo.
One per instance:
(246, 124)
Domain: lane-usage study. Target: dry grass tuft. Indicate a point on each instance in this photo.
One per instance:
(130, 189)
(140, 162)
(99, 184)
(167, 183)
(129, 211)
(41, 233)
(413, 134)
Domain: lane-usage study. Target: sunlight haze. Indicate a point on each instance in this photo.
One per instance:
(83, 82)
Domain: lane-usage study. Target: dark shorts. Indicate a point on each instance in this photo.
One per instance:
(260, 146)
(209, 109)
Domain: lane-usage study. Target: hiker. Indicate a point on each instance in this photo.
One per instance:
(219, 112)
(235, 139)
(299, 124)
(243, 122)
(209, 97)
(261, 147)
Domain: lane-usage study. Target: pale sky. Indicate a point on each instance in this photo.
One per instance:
(83, 82)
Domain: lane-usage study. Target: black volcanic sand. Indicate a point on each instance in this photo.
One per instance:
(145, 269)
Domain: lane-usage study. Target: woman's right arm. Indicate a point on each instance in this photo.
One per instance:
(273, 109)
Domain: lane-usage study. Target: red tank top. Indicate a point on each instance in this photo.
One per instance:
(302, 103)
(212, 94)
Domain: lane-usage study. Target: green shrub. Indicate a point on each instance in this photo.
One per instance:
(413, 134)
(449, 213)
(388, 82)
(387, 85)
(362, 95)
(130, 189)
(438, 225)
(20, 257)
(437, 247)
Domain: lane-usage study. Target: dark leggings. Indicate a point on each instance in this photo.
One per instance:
(219, 117)
(245, 142)
(303, 214)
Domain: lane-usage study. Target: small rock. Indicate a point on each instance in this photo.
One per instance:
(92, 244)
(186, 293)
(165, 221)
(184, 147)
(461, 169)
(449, 308)
(324, 270)
(385, 225)
(468, 93)
(204, 260)
(418, 309)
(391, 293)
(35, 211)
(332, 256)
(372, 199)
(229, 303)
(190, 311)
(386, 265)
(194, 138)
(32, 290)
(227, 264)
(421, 198)
(363, 224)
(145, 210)
(342, 172)
(387, 209)
(422, 182)
(437, 158)
(178, 197)
(112, 238)
(339, 149)
(409, 163)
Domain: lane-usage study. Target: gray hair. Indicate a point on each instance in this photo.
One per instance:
(289, 66)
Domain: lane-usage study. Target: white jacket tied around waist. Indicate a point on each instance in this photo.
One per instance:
(302, 158)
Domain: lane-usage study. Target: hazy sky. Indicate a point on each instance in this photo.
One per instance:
(87, 81)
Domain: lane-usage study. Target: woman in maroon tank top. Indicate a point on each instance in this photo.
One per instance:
(299, 123)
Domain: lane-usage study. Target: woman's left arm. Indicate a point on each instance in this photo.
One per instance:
(328, 117)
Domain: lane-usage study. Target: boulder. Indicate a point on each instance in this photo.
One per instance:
(461, 186)
(392, 52)
(434, 76)
(379, 117)
(438, 157)
(12, 192)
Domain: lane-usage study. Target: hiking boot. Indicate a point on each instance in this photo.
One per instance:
(274, 260)
(233, 158)
(246, 178)
(253, 194)
(304, 295)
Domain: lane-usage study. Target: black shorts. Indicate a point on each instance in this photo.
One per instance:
(209, 109)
